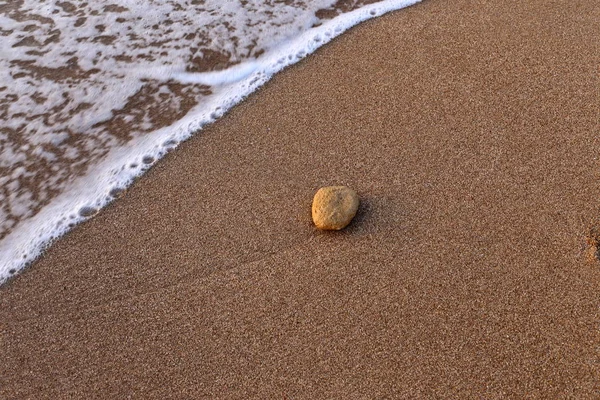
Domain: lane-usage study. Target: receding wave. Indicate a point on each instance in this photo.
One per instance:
(94, 92)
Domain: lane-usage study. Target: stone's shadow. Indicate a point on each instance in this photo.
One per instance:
(364, 215)
(375, 214)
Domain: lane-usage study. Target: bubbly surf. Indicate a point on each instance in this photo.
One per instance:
(92, 93)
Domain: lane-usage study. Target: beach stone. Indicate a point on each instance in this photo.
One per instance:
(593, 241)
(334, 207)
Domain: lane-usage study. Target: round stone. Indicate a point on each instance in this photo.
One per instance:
(334, 207)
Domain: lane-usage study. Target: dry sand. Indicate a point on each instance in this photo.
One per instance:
(470, 131)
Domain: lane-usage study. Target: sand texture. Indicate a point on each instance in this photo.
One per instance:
(470, 131)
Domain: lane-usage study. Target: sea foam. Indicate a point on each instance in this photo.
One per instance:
(81, 86)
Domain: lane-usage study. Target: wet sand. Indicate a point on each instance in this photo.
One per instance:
(470, 131)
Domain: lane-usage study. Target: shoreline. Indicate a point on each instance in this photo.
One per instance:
(89, 191)
(474, 150)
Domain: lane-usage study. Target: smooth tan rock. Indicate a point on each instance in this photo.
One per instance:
(334, 207)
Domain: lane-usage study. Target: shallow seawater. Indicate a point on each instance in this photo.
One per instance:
(93, 92)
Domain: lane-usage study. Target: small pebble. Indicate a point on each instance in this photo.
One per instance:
(334, 207)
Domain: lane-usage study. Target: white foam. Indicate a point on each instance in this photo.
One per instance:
(116, 168)
(218, 78)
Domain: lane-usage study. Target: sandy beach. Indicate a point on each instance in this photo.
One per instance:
(470, 131)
